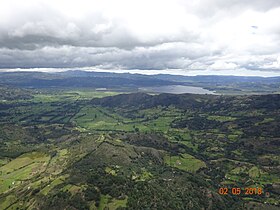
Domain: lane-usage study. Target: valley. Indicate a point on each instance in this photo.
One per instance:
(87, 149)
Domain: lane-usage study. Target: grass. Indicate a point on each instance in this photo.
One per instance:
(37, 170)
(47, 98)
(73, 189)
(58, 162)
(115, 203)
(54, 183)
(232, 137)
(112, 204)
(89, 94)
(103, 202)
(271, 158)
(64, 95)
(182, 136)
(3, 161)
(94, 118)
(221, 118)
(184, 162)
(143, 176)
(22, 168)
(254, 172)
(266, 120)
(111, 171)
(245, 173)
(146, 175)
(97, 118)
(7, 201)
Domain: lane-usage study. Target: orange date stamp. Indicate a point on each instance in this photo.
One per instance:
(241, 191)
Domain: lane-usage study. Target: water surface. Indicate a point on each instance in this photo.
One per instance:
(177, 89)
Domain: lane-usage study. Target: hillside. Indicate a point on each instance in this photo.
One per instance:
(98, 150)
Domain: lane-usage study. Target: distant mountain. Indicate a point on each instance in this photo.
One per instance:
(216, 78)
(131, 82)
(78, 79)
(190, 101)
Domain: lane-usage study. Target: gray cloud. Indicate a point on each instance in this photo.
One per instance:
(198, 35)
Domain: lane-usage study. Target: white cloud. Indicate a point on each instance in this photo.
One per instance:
(209, 35)
(221, 65)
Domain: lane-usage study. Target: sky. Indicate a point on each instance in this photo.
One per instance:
(223, 37)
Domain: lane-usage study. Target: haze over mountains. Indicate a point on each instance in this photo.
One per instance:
(138, 82)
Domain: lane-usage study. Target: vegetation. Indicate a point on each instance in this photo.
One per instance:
(92, 149)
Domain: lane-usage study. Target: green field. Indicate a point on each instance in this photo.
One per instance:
(21, 169)
(60, 149)
(112, 204)
(184, 162)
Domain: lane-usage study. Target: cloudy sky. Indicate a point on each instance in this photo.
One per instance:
(239, 37)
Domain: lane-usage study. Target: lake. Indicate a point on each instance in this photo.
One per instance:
(177, 89)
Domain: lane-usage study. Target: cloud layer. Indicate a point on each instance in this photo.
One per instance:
(214, 35)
